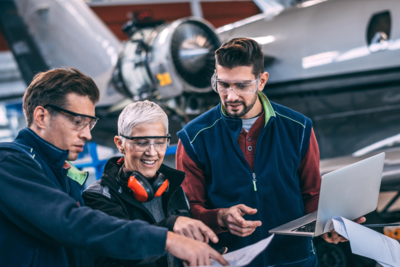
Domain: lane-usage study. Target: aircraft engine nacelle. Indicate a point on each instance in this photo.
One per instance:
(166, 61)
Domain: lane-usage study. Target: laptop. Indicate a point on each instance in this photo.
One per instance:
(350, 192)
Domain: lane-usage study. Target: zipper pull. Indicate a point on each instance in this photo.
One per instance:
(254, 182)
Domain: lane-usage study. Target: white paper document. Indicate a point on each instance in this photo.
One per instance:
(244, 256)
(367, 242)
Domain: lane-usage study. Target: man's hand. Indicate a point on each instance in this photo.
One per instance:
(335, 238)
(194, 229)
(192, 252)
(232, 219)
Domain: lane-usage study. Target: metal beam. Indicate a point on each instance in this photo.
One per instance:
(195, 7)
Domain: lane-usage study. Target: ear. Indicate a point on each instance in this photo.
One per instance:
(263, 81)
(118, 143)
(41, 117)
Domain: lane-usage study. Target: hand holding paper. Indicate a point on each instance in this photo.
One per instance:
(335, 238)
(366, 242)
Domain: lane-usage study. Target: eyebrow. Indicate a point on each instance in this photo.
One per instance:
(142, 137)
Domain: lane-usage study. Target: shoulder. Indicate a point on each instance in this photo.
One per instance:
(203, 122)
(19, 155)
(97, 188)
(290, 116)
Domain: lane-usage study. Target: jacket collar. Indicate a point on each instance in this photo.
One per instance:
(111, 169)
(268, 109)
(52, 155)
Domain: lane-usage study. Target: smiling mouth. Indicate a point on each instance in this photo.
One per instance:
(236, 106)
(148, 162)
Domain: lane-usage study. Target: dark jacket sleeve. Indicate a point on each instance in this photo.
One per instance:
(106, 205)
(33, 203)
(98, 201)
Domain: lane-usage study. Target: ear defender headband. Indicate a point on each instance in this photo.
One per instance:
(140, 187)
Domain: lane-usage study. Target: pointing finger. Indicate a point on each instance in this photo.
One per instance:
(216, 256)
(208, 233)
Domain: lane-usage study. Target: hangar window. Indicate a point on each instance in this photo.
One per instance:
(379, 28)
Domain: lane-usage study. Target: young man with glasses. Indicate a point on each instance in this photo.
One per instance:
(43, 219)
(251, 164)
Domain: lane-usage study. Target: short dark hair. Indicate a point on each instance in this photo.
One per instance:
(51, 87)
(241, 52)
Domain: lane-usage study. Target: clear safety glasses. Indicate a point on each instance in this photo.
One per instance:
(240, 87)
(143, 143)
(74, 120)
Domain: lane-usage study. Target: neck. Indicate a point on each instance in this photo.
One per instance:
(257, 109)
(41, 134)
(126, 169)
(37, 131)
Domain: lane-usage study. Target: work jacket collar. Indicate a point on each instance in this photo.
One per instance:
(111, 170)
(53, 156)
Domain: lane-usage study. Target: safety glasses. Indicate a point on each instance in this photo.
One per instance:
(240, 87)
(75, 120)
(143, 143)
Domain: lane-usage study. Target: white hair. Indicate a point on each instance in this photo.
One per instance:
(141, 112)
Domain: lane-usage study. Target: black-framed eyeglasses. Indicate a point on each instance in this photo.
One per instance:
(143, 143)
(77, 121)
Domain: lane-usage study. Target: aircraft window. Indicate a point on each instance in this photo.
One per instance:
(379, 28)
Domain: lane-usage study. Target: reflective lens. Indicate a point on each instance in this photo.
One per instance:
(240, 87)
(74, 120)
(143, 144)
(79, 123)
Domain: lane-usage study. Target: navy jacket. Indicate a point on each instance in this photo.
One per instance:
(42, 218)
(211, 142)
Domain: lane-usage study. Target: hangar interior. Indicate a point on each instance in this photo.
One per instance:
(337, 62)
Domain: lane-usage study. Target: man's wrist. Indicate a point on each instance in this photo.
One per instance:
(219, 218)
(170, 240)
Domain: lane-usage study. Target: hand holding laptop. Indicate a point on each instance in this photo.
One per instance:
(349, 192)
(335, 237)
(232, 218)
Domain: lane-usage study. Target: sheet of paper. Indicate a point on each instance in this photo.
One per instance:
(384, 264)
(369, 243)
(338, 225)
(244, 256)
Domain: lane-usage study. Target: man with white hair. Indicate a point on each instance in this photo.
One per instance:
(138, 186)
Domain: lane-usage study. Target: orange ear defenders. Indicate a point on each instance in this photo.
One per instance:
(141, 188)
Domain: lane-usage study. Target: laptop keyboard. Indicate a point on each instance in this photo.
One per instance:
(307, 228)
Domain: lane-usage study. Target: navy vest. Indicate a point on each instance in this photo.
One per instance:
(273, 189)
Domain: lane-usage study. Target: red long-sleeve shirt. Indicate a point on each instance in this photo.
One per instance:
(194, 183)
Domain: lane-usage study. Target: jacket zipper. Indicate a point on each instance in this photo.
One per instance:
(259, 209)
(254, 182)
(312, 247)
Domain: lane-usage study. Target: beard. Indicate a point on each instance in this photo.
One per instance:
(246, 108)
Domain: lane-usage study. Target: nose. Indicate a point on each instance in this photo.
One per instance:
(85, 133)
(151, 151)
(232, 96)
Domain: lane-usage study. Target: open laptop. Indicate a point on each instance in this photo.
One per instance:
(350, 192)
